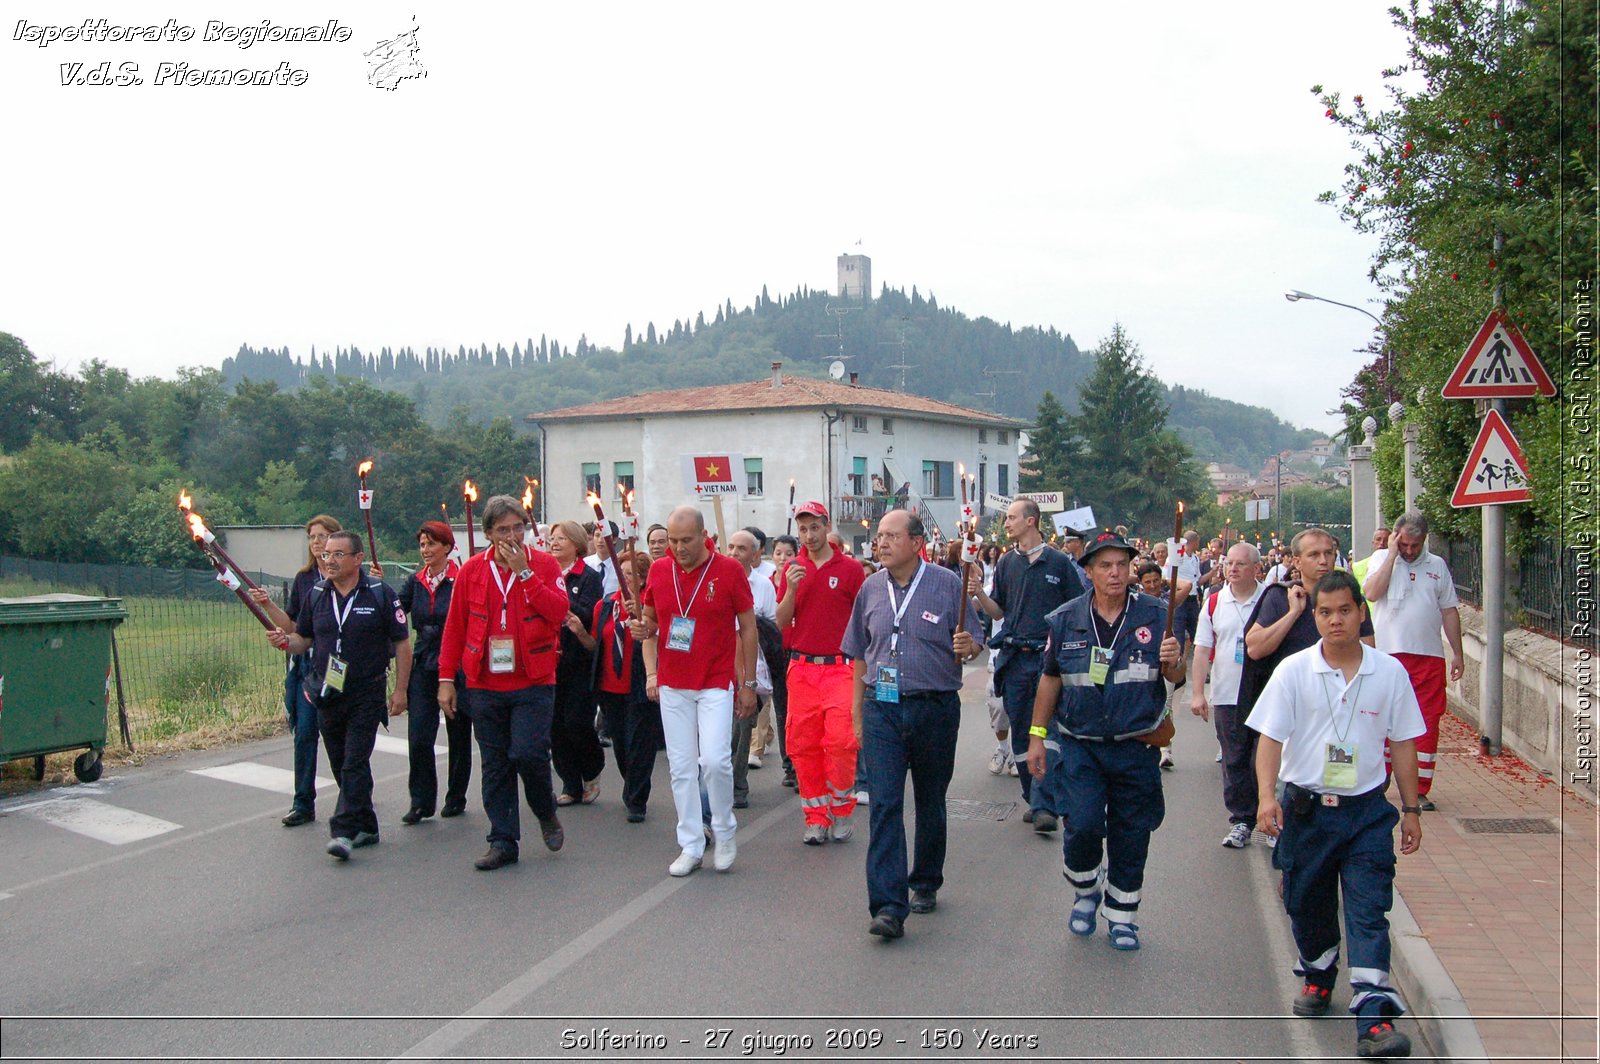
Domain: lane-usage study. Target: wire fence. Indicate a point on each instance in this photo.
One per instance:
(1549, 589)
(194, 662)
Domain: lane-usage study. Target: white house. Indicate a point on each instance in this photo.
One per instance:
(860, 450)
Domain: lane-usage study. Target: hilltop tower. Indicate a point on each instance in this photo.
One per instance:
(855, 277)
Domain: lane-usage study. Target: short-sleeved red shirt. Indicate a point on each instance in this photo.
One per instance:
(822, 603)
(723, 594)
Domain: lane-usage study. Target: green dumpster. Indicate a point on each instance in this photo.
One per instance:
(55, 674)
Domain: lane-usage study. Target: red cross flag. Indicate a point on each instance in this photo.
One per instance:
(712, 474)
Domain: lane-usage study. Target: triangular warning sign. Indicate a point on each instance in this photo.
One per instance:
(1495, 472)
(1498, 364)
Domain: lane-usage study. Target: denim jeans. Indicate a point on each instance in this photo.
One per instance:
(303, 723)
(915, 735)
(514, 741)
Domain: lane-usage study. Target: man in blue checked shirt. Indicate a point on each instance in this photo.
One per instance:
(910, 630)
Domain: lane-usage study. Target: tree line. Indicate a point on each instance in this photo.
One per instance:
(91, 464)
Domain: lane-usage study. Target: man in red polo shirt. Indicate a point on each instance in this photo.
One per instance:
(820, 591)
(698, 609)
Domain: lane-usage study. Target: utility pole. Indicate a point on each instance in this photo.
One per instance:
(1491, 676)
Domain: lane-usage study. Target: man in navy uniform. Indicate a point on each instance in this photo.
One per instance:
(1104, 662)
(1324, 718)
(352, 624)
(1030, 582)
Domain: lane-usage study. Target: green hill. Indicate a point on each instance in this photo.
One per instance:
(937, 351)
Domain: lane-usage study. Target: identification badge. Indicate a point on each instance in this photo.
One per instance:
(681, 635)
(1238, 651)
(1099, 664)
(1139, 671)
(1339, 770)
(334, 680)
(888, 686)
(503, 655)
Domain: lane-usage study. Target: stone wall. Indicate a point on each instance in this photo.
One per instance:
(1541, 695)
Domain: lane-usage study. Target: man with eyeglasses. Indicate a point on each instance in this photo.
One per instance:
(352, 624)
(502, 632)
(910, 630)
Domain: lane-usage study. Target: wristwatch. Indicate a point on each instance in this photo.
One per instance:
(751, 684)
(1417, 809)
(524, 574)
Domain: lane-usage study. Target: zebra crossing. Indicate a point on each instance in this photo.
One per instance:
(83, 811)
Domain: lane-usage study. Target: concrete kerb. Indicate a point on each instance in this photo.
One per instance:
(1428, 991)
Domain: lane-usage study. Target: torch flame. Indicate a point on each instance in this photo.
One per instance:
(527, 498)
(197, 527)
(470, 490)
(1180, 506)
(591, 498)
(185, 503)
(630, 500)
(364, 468)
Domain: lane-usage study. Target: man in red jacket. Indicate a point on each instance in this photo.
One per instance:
(502, 632)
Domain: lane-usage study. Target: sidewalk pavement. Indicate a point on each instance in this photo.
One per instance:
(1500, 925)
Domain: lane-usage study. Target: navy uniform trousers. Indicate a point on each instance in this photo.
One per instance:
(1113, 800)
(1348, 848)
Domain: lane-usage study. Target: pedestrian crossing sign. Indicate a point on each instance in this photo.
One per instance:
(1498, 364)
(1496, 471)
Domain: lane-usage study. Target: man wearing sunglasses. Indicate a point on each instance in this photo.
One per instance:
(352, 624)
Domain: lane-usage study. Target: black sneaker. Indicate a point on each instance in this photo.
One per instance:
(887, 925)
(415, 814)
(364, 838)
(789, 780)
(1312, 1000)
(1382, 1040)
(1028, 817)
(1044, 822)
(924, 901)
(297, 817)
(453, 809)
(1426, 805)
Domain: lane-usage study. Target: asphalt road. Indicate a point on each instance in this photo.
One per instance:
(188, 924)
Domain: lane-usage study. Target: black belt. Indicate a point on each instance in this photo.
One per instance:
(1293, 790)
(818, 659)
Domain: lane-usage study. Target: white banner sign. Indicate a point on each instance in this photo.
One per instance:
(1258, 510)
(993, 501)
(1049, 501)
(1081, 519)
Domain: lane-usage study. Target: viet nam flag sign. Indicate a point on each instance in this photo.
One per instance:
(712, 474)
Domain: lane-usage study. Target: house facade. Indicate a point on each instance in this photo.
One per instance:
(861, 450)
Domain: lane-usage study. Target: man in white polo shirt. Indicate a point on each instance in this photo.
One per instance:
(1413, 597)
(1220, 639)
(1324, 718)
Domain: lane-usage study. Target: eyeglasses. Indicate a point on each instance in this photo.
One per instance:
(509, 529)
(317, 537)
(336, 555)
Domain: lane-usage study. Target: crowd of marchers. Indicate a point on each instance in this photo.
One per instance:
(1324, 683)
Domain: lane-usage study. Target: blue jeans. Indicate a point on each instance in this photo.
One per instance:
(513, 729)
(916, 735)
(303, 723)
(1017, 681)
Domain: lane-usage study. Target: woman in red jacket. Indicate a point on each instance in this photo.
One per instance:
(501, 633)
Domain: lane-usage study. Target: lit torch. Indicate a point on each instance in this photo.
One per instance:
(1172, 563)
(611, 550)
(229, 574)
(527, 499)
(364, 498)
(969, 535)
(630, 519)
(469, 492)
(789, 530)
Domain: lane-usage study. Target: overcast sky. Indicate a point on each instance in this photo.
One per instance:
(572, 168)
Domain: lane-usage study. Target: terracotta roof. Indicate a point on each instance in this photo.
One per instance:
(796, 393)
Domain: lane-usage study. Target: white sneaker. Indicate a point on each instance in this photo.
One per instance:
(861, 797)
(755, 761)
(1011, 765)
(686, 863)
(815, 834)
(1219, 755)
(997, 761)
(842, 828)
(727, 850)
(1238, 837)
(1166, 757)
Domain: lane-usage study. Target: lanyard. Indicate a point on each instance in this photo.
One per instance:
(1094, 623)
(505, 591)
(901, 607)
(683, 611)
(1333, 713)
(340, 617)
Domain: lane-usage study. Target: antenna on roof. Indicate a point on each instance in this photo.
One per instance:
(839, 313)
(991, 374)
(901, 365)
